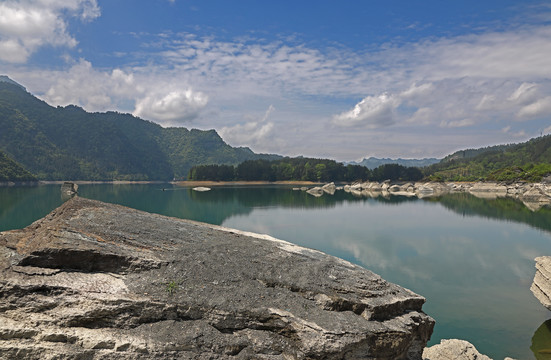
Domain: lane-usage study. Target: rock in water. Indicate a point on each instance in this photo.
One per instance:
(101, 281)
(69, 188)
(453, 349)
(541, 286)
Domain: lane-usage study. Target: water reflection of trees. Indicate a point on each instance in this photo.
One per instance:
(266, 196)
(501, 208)
(238, 200)
(541, 342)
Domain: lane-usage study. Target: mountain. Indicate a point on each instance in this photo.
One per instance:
(471, 153)
(373, 162)
(12, 171)
(68, 143)
(529, 161)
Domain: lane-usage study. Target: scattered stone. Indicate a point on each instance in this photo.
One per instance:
(315, 191)
(329, 188)
(453, 349)
(201, 188)
(488, 190)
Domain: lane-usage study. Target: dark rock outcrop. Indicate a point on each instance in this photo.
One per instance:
(101, 281)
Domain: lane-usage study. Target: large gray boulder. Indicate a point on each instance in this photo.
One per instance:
(541, 286)
(101, 281)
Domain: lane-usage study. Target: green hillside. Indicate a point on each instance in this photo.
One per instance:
(529, 161)
(68, 143)
(12, 171)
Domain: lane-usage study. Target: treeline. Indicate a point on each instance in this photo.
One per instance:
(302, 169)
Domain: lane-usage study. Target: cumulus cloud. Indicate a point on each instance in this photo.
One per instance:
(26, 25)
(171, 108)
(90, 88)
(372, 112)
(250, 133)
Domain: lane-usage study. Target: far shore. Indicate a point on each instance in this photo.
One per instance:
(184, 183)
(232, 183)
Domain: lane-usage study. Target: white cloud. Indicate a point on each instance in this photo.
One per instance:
(251, 133)
(525, 93)
(90, 88)
(457, 123)
(541, 107)
(26, 25)
(371, 112)
(172, 108)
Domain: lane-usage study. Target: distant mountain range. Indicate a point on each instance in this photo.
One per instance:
(68, 143)
(373, 162)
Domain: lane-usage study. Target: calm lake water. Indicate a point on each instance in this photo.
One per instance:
(472, 259)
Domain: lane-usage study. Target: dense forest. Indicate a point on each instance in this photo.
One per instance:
(68, 143)
(12, 171)
(529, 161)
(302, 169)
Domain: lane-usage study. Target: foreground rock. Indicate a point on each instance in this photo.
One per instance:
(453, 349)
(541, 286)
(100, 281)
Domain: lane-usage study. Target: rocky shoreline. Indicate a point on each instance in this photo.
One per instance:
(533, 195)
(100, 281)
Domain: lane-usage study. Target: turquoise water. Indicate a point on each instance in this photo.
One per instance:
(472, 259)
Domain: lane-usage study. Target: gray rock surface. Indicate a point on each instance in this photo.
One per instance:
(453, 349)
(101, 281)
(541, 286)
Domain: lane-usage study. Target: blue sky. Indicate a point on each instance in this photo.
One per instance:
(342, 80)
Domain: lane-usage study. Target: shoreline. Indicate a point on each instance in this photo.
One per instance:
(208, 183)
(184, 183)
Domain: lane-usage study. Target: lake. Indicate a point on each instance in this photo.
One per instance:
(473, 259)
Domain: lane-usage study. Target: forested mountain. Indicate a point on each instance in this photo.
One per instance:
(12, 171)
(68, 143)
(373, 162)
(471, 153)
(529, 161)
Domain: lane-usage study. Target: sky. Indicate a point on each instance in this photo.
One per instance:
(343, 79)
